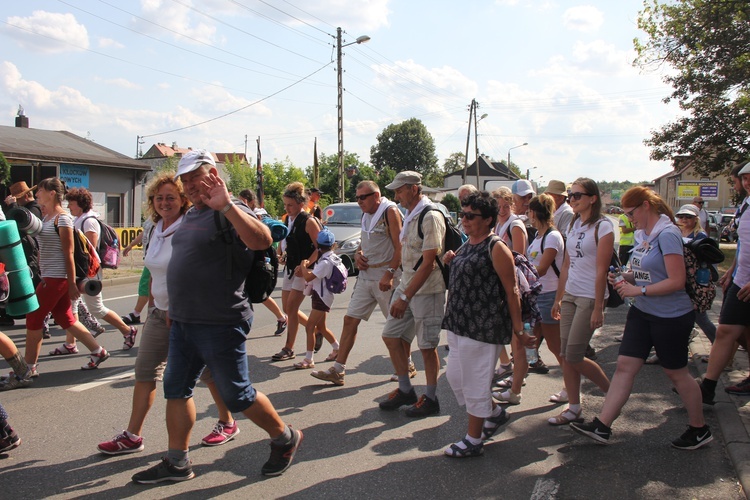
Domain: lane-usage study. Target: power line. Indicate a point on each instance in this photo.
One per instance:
(282, 25)
(311, 15)
(293, 17)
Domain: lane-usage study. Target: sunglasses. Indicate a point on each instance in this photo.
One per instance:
(468, 215)
(684, 216)
(700, 202)
(363, 197)
(577, 196)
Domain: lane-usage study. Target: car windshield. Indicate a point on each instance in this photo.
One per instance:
(339, 214)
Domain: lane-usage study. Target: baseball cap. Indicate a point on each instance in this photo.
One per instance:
(688, 209)
(326, 238)
(522, 187)
(316, 190)
(403, 178)
(745, 169)
(193, 160)
(556, 187)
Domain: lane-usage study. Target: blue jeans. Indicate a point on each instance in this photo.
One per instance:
(222, 349)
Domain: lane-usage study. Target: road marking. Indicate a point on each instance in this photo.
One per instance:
(105, 380)
(545, 489)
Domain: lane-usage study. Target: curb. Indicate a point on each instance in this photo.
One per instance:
(123, 280)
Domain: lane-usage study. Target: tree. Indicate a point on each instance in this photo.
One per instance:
(406, 146)
(328, 168)
(4, 171)
(241, 175)
(706, 43)
(451, 202)
(276, 176)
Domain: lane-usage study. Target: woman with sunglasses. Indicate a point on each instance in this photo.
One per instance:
(578, 305)
(661, 317)
(483, 312)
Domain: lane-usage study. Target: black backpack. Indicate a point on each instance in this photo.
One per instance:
(260, 281)
(452, 241)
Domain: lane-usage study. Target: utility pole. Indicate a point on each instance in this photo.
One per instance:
(468, 137)
(476, 144)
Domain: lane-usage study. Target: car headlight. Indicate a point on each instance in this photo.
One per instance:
(351, 244)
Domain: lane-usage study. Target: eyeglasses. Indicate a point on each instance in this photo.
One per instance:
(363, 197)
(629, 214)
(468, 215)
(700, 202)
(577, 196)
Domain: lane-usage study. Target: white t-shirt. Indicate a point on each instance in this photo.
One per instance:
(87, 223)
(742, 276)
(157, 260)
(581, 250)
(504, 230)
(534, 254)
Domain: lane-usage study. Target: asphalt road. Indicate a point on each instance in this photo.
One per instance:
(351, 448)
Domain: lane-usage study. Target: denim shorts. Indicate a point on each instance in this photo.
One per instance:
(219, 347)
(544, 302)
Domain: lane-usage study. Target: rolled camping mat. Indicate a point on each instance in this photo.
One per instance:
(28, 223)
(11, 251)
(22, 297)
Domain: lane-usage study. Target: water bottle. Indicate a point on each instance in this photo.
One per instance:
(618, 275)
(531, 355)
(703, 275)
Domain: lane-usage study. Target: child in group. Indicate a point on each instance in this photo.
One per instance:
(322, 298)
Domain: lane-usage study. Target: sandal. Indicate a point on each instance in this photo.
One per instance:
(333, 355)
(283, 355)
(470, 450)
(560, 397)
(318, 341)
(63, 350)
(305, 364)
(566, 417)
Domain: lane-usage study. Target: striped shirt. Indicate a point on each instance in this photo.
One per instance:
(51, 258)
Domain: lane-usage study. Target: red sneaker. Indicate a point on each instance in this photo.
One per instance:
(221, 434)
(120, 445)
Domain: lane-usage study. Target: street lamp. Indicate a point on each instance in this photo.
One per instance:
(340, 86)
(514, 147)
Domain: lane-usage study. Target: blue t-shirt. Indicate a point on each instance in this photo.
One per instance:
(647, 262)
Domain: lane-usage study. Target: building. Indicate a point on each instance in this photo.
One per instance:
(114, 179)
(488, 171)
(683, 183)
(160, 153)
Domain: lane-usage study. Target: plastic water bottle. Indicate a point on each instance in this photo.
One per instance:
(703, 275)
(531, 355)
(618, 275)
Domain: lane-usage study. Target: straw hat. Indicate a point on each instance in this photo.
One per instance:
(19, 189)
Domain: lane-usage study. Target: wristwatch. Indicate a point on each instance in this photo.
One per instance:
(643, 291)
(404, 298)
(390, 270)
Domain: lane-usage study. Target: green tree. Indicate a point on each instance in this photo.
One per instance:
(276, 176)
(328, 168)
(240, 175)
(405, 146)
(4, 171)
(706, 43)
(451, 202)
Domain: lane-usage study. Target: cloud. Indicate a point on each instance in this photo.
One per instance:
(586, 18)
(589, 59)
(48, 32)
(107, 43)
(177, 18)
(121, 82)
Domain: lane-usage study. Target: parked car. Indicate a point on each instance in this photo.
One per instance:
(713, 230)
(729, 232)
(344, 221)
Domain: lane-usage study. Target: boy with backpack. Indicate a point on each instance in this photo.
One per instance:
(326, 278)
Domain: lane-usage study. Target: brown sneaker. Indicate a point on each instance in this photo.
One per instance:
(329, 375)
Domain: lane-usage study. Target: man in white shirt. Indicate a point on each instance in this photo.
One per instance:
(563, 213)
(702, 214)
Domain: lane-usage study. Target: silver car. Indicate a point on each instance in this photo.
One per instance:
(344, 221)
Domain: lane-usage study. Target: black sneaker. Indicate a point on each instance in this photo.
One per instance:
(10, 440)
(164, 471)
(538, 367)
(397, 399)
(492, 424)
(423, 408)
(693, 438)
(282, 455)
(595, 430)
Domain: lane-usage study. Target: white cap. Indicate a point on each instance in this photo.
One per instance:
(745, 169)
(193, 160)
(522, 187)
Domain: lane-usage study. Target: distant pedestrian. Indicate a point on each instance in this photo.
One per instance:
(699, 202)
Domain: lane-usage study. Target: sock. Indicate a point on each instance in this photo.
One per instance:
(132, 437)
(574, 408)
(338, 367)
(281, 319)
(473, 440)
(283, 438)
(497, 411)
(18, 364)
(178, 458)
(309, 355)
(404, 384)
(96, 351)
(431, 392)
(335, 346)
(69, 346)
(409, 361)
(135, 313)
(504, 367)
(709, 385)
(229, 425)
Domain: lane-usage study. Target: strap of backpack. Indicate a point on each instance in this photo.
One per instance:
(421, 235)
(554, 265)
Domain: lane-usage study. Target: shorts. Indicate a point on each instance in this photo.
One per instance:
(143, 282)
(669, 337)
(318, 304)
(423, 318)
(544, 302)
(470, 368)
(365, 297)
(52, 294)
(733, 310)
(153, 348)
(575, 327)
(293, 283)
(218, 347)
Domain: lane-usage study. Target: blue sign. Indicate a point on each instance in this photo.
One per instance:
(74, 175)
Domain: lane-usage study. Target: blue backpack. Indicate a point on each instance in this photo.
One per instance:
(336, 283)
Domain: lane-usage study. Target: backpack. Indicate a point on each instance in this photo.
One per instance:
(530, 233)
(614, 299)
(554, 265)
(85, 258)
(108, 246)
(452, 241)
(260, 281)
(336, 282)
(528, 284)
(697, 252)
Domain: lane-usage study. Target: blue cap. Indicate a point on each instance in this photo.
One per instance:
(326, 238)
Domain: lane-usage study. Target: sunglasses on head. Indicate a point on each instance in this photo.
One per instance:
(468, 215)
(363, 197)
(577, 196)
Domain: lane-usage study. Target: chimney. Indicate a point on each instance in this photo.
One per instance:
(174, 145)
(22, 120)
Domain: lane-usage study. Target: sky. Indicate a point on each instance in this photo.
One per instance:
(218, 74)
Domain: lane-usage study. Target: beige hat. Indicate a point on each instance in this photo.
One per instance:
(688, 209)
(19, 189)
(556, 187)
(405, 177)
